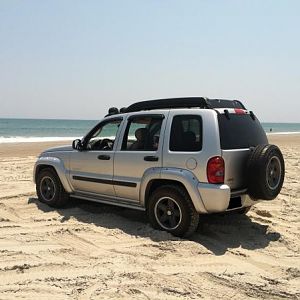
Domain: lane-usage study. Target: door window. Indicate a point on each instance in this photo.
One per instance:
(142, 134)
(102, 137)
(186, 133)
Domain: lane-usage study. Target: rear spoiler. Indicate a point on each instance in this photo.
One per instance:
(235, 111)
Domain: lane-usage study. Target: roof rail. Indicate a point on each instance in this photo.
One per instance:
(169, 103)
(197, 102)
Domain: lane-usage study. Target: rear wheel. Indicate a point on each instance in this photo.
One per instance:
(265, 172)
(171, 209)
(49, 189)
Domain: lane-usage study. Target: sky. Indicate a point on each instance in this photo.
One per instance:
(74, 59)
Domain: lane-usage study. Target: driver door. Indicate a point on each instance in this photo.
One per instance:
(91, 169)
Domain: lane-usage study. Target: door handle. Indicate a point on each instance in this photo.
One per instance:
(104, 157)
(151, 158)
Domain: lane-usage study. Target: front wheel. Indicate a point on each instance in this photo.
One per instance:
(49, 189)
(171, 209)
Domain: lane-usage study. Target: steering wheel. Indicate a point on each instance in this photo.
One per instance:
(106, 144)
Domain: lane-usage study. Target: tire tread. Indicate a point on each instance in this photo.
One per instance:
(256, 169)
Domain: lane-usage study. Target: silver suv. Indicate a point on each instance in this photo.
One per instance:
(175, 158)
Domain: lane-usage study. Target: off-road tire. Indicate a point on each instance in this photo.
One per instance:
(57, 197)
(189, 217)
(262, 183)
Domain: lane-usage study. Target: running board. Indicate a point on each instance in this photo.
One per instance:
(111, 201)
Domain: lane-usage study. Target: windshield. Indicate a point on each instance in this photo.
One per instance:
(240, 131)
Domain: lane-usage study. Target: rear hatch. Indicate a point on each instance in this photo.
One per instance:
(240, 131)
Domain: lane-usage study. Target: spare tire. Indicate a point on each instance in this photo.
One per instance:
(265, 172)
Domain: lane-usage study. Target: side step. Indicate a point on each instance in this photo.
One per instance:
(109, 200)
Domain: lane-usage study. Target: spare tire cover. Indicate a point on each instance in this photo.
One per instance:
(265, 172)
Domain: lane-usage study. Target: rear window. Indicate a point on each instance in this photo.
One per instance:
(240, 131)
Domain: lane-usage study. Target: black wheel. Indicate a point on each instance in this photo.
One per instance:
(265, 172)
(170, 208)
(49, 189)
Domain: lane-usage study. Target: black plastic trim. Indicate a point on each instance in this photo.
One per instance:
(105, 181)
(153, 116)
(124, 183)
(151, 158)
(104, 157)
(168, 103)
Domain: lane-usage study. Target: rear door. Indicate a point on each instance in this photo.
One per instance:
(191, 140)
(139, 150)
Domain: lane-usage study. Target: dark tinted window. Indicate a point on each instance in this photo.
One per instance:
(186, 133)
(240, 131)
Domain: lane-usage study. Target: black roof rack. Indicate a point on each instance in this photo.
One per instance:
(199, 102)
(168, 103)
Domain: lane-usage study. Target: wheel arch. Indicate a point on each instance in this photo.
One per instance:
(157, 177)
(157, 183)
(57, 166)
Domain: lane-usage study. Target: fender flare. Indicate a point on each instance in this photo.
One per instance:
(58, 166)
(185, 177)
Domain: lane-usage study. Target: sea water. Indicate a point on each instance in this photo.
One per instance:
(38, 130)
(281, 128)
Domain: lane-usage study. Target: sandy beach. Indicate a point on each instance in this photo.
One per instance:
(94, 251)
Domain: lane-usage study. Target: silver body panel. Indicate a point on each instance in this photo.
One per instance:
(123, 179)
(86, 164)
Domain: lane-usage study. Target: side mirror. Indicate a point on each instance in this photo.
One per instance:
(77, 145)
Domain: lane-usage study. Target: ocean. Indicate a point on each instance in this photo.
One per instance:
(38, 130)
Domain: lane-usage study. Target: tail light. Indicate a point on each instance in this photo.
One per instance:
(215, 170)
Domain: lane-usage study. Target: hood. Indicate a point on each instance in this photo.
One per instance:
(59, 149)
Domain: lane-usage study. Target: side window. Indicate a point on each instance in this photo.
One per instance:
(186, 133)
(103, 137)
(142, 134)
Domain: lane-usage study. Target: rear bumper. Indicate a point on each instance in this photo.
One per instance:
(218, 197)
(215, 197)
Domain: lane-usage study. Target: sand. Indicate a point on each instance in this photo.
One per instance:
(94, 251)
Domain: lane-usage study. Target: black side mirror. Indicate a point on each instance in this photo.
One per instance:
(77, 145)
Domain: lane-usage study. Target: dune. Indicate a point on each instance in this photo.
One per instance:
(94, 251)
